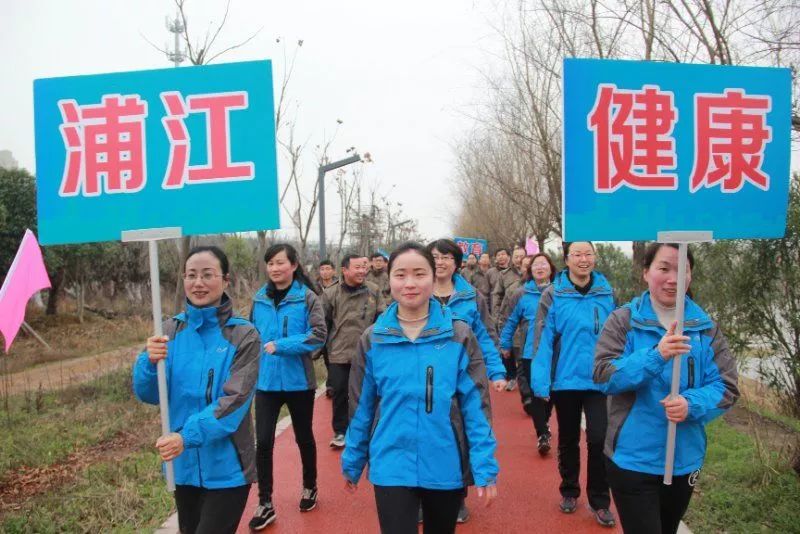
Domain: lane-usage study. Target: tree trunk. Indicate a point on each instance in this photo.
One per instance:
(638, 265)
(184, 244)
(52, 298)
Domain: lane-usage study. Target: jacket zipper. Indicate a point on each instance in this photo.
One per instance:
(596, 321)
(209, 385)
(286, 326)
(690, 363)
(364, 312)
(429, 389)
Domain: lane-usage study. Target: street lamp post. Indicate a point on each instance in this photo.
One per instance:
(355, 158)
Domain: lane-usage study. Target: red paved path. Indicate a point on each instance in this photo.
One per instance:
(528, 485)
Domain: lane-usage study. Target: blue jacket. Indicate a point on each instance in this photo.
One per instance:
(565, 331)
(629, 367)
(467, 305)
(420, 410)
(523, 314)
(297, 327)
(212, 366)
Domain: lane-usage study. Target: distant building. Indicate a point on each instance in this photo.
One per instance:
(7, 161)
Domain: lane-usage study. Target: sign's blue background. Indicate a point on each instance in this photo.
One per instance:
(629, 214)
(234, 206)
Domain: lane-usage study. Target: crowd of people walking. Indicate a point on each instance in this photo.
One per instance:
(413, 344)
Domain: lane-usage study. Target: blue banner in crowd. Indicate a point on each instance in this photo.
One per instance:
(471, 245)
(652, 147)
(191, 147)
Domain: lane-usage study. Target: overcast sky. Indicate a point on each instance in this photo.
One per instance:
(402, 77)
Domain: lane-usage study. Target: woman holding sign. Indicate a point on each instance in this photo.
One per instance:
(212, 366)
(633, 364)
(290, 319)
(420, 405)
(570, 315)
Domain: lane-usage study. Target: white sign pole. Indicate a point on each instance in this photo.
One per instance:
(682, 239)
(152, 237)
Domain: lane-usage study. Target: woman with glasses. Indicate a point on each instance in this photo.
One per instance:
(451, 290)
(420, 406)
(290, 319)
(211, 360)
(524, 303)
(633, 364)
(568, 322)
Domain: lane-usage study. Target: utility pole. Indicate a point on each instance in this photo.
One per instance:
(355, 158)
(176, 28)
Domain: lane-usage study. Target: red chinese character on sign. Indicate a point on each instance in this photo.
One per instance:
(464, 246)
(217, 108)
(477, 249)
(104, 142)
(633, 138)
(730, 139)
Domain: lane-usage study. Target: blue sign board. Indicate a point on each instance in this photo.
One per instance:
(471, 245)
(190, 147)
(652, 147)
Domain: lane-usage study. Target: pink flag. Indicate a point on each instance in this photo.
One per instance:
(531, 246)
(25, 278)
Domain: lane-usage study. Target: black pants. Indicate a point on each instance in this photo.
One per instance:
(645, 504)
(339, 377)
(523, 376)
(541, 409)
(301, 410)
(510, 364)
(569, 405)
(398, 509)
(210, 511)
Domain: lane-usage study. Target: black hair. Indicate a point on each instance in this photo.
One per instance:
(348, 257)
(377, 255)
(653, 248)
(291, 254)
(447, 246)
(528, 274)
(567, 244)
(499, 250)
(411, 246)
(325, 262)
(214, 250)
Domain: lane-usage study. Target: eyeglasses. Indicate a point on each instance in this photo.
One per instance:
(443, 257)
(205, 277)
(541, 265)
(587, 256)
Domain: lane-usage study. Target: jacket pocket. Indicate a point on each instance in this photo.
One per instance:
(364, 311)
(286, 326)
(596, 321)
(690, 372)
(429, 389)
(209, 386)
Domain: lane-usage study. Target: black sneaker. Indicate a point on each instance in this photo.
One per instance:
(419, 515)
(568, 505)
(329, 392)
(544, 444)
(264, 515)
(308, 501)
(463, 513)
(604, 517)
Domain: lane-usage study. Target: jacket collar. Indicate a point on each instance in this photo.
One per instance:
(531, 287)
(439, 326)
(209, 316)
(461, 289)
(297, 292)
(644, 316)
(564, 287)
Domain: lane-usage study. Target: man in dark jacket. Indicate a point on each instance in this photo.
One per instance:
(378, 275)
(351, 305)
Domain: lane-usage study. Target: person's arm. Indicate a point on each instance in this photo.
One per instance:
(327, 309)
(618, 368)
(494, 365)
(498, 292)
(510, 320)
(363, 402)
(543, 345)
(145, 374)
(472, 391)
(223, 416)
(718, 389)
(313, 338)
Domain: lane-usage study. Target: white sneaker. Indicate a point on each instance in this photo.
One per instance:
(338, 441)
